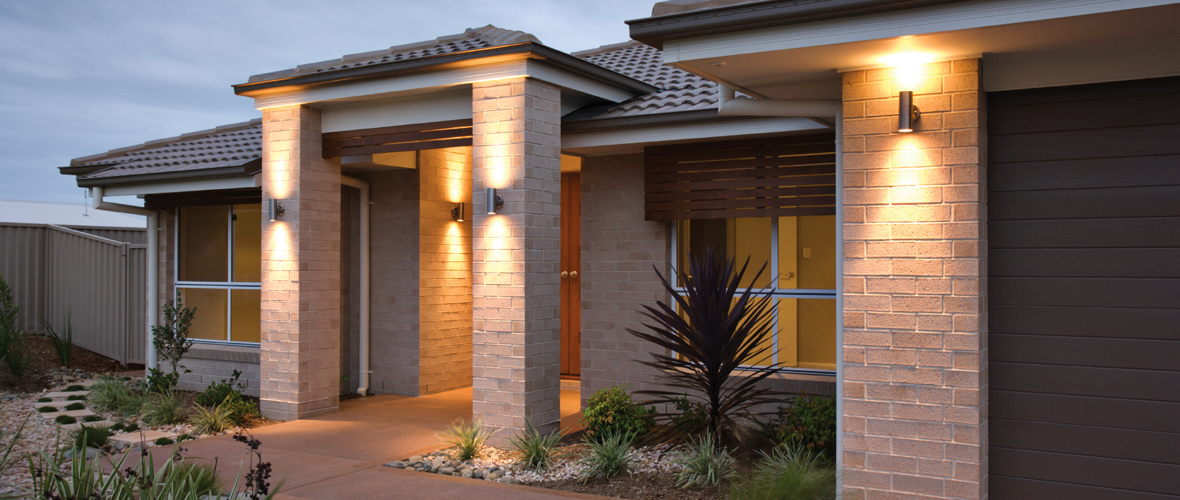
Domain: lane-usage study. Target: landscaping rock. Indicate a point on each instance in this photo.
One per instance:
(494, 475)
(477, 474)
(90, 453)
(508, 480)
(446, 471)
(467, 473)
(396, 464)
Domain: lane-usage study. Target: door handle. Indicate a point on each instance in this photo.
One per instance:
(564, 274)
(574, 274)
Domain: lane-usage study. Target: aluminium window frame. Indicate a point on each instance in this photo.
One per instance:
(228, 286)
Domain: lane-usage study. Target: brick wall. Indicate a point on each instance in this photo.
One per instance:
(210, 363)
(915, 325)
(300, 358)
(516, 308)
(445, 313)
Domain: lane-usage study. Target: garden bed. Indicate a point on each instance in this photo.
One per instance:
(46, 367)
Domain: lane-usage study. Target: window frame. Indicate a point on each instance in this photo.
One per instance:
(777, 293)
(228, 286)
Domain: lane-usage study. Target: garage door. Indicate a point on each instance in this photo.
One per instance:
(1084, 291)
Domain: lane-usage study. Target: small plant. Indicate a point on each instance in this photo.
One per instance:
(118, 426)
(63, 344)
(14, 346)
(216, 393)
(242, 410)
(47, 409)
(112, 394)
(184, 437)
(76, 397)
(467, 438)
(705, 462)
(691, 416)
(132, 427)
(45, 400)
(164, 408)
(65, 420)
(611, 411)
(92, 418)
(90, 437)
(164, 441)
(537, 450)
(609, 455)
(202, 475)
(171, 338)
(75, 407)
(788, 472)
(809, 422)
(158, 381)
(212, 420)
(74, 388)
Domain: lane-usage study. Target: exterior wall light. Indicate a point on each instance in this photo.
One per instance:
(495, 202)
(457, 212)
(907, 113)
(275, 209)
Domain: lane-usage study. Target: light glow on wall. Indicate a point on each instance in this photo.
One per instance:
(908, 65)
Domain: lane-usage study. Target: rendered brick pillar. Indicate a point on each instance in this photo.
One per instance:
(915, 285)
(516, 287)
(300, 357)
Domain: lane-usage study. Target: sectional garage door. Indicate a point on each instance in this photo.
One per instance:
(1084, 291)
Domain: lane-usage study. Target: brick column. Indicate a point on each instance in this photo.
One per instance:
(300, 358)
(915, 287)
(516, 288)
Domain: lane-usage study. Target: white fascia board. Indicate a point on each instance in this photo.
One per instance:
(397, 85)
(688, 131)
(181, 186)
(950, 17)
(1056, 69)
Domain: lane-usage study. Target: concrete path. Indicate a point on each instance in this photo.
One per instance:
(342, 455)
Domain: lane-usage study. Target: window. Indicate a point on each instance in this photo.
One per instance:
(801, 276)
(219, 271)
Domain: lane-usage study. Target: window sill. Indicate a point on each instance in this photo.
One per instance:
(239, 354)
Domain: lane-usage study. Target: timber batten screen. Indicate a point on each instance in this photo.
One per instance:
(771, 177)
(436, 135)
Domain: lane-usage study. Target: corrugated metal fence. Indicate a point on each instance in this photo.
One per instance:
(99, 283)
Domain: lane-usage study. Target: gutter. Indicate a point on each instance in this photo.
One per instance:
(153, 264)
(363, 186)
(526, 49)
(806, 108)
(654, 31)
(248, 168)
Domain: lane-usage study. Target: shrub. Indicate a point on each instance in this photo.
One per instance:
(705, 462)
(690, 415)
(45, 400)
(14, 346)
(63, 344)
(92, 418)
(810, 422)
(65, 420)
(76, 397)
(467, 438)
(212, 420)
(90, 437)
(242, 410)
(47, 409)
(74, 388)
(158, 382)
(537, 449)
(716, 329)
(171, 337)
(75, 406)
(164, 442)
(216, 393)
(611, 411)
(789, 472)
(164, 408)
(609, 455)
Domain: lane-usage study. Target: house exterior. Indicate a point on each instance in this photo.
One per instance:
(990, 296)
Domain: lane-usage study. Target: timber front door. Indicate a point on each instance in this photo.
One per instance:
(571, 261)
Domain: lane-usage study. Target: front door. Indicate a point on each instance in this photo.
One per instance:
(571, 262)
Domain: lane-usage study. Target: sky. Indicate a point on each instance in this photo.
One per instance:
(79, 78)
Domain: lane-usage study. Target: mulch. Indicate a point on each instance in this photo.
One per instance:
(39, 375)
(639, 487)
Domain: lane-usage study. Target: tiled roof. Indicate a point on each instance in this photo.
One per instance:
(227, 146)
(679, 90)
(471, 39)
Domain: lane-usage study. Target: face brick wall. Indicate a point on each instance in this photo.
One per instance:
(915, 293)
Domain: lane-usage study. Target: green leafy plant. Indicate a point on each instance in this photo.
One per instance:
(164, 441)
(92, 418)
(216, 393)
(611, 411)
(76, 397)
(14, 345)
(468, 439)
(242, 409)
(789, 473)
(537, 450)
(132, 427)
(690, 415)
(74, 407)
(45, 400)
(608, 456)
(201, 474)
(716, 329)
(118, 426)
(65, 420)
(74, 388)
(64, 343)
(47, 409)
(705, 463)
(171, 338)
(113, 394)
(212, 420)
(164, 408)
(158, 381)
(90, 437)
(184, 437)
(809, 422)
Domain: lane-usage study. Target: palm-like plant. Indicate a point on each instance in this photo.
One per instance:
(718, 328)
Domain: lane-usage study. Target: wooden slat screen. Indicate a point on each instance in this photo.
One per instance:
(419, 136)
(773, 177)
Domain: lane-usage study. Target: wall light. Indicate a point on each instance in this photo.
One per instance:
(495, 202)
(275, 208)
(457, 212)
(907, 113)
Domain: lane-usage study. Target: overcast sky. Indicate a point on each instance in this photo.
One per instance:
(82, 77)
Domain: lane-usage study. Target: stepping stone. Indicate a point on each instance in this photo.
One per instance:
(80, 423)
(64, 395)
(73, 413)
(134, 438)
